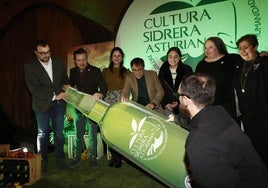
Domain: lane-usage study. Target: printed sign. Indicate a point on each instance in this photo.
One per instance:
(149, 28)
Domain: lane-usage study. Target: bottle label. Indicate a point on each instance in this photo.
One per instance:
(146, 138)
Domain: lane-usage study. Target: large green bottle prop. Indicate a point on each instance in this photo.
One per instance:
(143, 136)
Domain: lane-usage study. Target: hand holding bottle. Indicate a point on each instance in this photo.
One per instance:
(61, 95)
(124, 99)
(97, 96)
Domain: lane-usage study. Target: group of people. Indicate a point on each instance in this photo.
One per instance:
(224, 97)
(241, 85)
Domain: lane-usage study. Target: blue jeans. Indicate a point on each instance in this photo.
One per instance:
(55, 117)
(80, 126)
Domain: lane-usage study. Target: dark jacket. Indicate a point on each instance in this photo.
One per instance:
(89, 81)
(222, 71)
(253, 103)
(167, 82)
(220, 154)
(40, 85)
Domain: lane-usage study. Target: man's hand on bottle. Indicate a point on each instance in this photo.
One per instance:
(61, 95)
(151, 106)
(124, 99)
(65, 87)
(97, 96)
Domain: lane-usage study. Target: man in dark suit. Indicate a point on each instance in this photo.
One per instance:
(46, 77)
(88, 79)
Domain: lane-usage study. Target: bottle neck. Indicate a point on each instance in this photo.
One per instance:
(86, 104)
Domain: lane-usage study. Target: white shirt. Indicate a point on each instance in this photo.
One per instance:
(48, 68)
(173, 74)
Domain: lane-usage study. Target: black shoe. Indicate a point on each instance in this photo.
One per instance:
(74, 163)
(111, 163)
(117, 166)
(118, 161)
(93, 162)
(44, 168)
(61, 165)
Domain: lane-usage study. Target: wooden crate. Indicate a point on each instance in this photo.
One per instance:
(4, 149)
(14, 169)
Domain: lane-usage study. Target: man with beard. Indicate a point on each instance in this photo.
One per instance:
(46, 77)
(88, 79)
(219, 153)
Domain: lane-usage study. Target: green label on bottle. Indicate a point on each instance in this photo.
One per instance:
(146, 138)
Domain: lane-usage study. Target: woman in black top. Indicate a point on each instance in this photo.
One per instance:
(251, 86)
(170, 74)
(220, 65)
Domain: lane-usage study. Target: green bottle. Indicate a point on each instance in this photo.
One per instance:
(143, 136)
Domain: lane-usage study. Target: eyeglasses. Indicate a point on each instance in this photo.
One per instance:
(137, 70)
(177, 95)
(43, 53)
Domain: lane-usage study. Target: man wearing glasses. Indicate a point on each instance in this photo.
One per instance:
(143, 85)
(219, 153)
(45, 77)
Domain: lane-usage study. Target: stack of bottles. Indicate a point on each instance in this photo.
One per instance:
(14, 171)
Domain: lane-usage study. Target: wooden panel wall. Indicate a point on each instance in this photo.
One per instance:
(43, 21)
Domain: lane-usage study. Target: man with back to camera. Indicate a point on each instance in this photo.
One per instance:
(219, 153)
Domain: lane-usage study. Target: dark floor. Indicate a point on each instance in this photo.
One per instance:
(129, 175)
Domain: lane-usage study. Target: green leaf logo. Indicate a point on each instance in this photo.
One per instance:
(148, 138)
(136, 129)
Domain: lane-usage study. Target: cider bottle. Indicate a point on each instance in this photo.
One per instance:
(143, 136)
